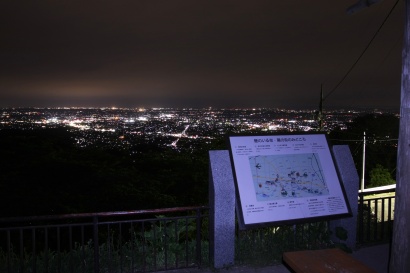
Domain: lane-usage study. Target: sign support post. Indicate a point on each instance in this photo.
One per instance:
(350, 179)
(222, 209)
(223, 201)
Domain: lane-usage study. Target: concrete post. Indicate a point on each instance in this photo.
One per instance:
(222, 204)
(350, 180)
(222, 209)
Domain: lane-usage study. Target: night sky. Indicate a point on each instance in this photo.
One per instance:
(198, 53)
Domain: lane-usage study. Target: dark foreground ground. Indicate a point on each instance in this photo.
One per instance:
(375, 257)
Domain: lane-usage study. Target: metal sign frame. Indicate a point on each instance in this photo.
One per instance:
(285, 178)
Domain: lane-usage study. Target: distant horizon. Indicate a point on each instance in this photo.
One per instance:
(208, 108)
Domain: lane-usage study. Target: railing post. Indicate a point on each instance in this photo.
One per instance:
(96, 245)
(8, 251)
(58, 250)
(33, 244)
(383, 217)
(21, 251)
(198, 237)
(70, 259)
(46, 248)
(361, 218)
(390, 226)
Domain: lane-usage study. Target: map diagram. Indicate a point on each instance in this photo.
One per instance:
(287, 176)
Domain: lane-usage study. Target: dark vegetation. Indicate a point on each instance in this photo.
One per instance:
(43, 172)
(382, 133)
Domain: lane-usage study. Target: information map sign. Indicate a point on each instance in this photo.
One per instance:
(285, 178)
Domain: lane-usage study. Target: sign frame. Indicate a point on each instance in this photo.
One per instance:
(285, 178)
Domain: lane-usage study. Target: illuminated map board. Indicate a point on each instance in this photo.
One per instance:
(286, 178)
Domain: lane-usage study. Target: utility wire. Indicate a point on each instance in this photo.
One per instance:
(383, 61)
(364, 51)
(361, 140)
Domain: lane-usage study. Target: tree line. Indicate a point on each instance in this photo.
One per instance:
(382, 131)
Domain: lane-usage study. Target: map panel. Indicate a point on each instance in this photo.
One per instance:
(277, 177)
(285, 178)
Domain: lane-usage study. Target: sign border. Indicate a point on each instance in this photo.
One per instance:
(239, 210)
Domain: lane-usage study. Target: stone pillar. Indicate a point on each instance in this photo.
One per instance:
(222, 209)
(350, 180)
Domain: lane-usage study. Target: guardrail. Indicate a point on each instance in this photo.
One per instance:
(133, 241)
(376, 215)
(161, 239)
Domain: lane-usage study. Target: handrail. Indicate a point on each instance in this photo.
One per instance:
(382, 189)
(100, 214)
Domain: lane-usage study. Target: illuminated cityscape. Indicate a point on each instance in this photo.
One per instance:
(120, 128)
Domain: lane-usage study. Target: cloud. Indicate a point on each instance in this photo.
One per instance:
(199, 52)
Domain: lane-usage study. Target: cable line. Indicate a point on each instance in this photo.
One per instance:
(364, 51)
